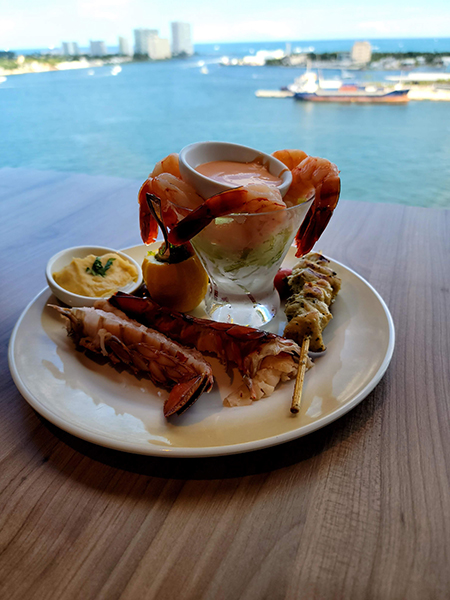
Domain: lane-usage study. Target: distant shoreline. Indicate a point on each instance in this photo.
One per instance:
(36, 64)
(411, 61)
(344, 44)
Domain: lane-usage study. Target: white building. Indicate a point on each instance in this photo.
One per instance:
(124, 47)
(361, 52)
(148, 43)
(142, 38)
(70, 49)
(181, 38)
(98, 48)
(159, 48)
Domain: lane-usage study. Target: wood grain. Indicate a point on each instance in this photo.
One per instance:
(359, 509)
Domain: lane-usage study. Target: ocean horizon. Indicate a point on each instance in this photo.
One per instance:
(345, 45)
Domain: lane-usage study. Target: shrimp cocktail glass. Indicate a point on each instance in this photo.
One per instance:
(241, 254)
(241, 210)
(243, 250)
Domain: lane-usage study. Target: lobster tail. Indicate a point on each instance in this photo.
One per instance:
(184, 394)
(143, 350)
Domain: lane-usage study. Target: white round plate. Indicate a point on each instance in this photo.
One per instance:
(100, 404)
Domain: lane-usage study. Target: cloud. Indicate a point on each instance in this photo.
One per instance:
(245, 30)
(7, 25)
(377, 27)
(422, 25)
(107, 10)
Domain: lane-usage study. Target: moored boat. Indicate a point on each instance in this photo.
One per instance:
(310, 87)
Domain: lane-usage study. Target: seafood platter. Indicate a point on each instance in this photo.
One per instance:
(222, 338)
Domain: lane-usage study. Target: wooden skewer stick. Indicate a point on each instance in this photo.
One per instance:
(297, 396)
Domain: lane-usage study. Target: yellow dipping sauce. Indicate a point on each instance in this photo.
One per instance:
(82, 277)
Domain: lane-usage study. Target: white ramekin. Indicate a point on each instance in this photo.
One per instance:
(63, 258)
(201, 152)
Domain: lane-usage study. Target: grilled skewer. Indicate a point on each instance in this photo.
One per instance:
(314, 286)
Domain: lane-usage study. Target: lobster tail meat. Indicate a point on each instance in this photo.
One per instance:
(168, 364)
(262, 358)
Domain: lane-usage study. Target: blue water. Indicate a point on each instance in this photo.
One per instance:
(243, 48)
(121, 125)
(319, 46)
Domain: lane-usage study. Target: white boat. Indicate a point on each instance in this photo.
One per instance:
(116, 70)
(2, 79)
(311, 87)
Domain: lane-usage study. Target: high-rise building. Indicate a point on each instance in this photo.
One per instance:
(98, 48)
(361, 52)
(158, 48)
(148, 43)
(70, 49)
(141, 40)
(181, 38)
(124, 47)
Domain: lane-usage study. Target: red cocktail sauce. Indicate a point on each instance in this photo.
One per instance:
(238, 173)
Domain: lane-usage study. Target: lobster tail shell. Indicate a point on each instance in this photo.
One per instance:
(143, 350)
(243, 347)
(184, 394)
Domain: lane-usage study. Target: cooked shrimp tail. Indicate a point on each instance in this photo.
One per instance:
(170, 164)
(251, 199)
(290, 158)
(320, 213)
(217, 206)
(311, 175)
(147, 222)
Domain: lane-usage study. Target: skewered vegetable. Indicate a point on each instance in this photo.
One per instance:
(314, 286)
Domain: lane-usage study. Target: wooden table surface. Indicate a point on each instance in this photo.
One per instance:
(359, 509)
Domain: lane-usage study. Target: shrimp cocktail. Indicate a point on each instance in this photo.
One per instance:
(241, 210)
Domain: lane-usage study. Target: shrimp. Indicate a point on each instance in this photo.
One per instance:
(251, 199)
(290, 158)
(174, 190)
(148, 225)
(324, 176)
(311, 175)
(166, 183)
(170, 164)
(144, 350)
(175, 195)
(262, 358)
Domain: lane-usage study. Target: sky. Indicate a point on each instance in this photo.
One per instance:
(46, 23)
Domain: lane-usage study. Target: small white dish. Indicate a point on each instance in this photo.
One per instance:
(64, 258)
(201, 152)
